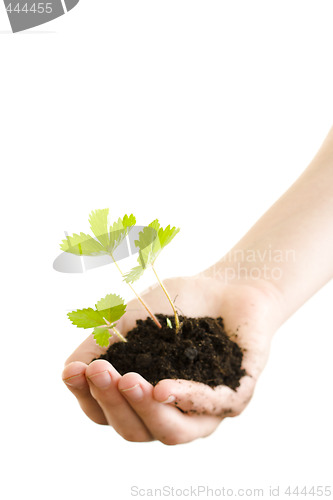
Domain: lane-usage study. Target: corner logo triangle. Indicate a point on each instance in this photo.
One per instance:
(25, 14)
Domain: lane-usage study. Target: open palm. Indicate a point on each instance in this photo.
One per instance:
(140, 412)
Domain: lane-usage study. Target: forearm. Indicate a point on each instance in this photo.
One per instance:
(291, 246)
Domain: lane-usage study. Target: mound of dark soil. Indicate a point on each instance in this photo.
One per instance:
(200, 351)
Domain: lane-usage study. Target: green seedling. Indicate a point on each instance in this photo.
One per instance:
(168, 322)
(109, 237)
(102, 319)
(152, 240)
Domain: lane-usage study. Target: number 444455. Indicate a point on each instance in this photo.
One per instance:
(35, 8)
(317, 491)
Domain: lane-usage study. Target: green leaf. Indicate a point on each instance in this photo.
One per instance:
(82, 244)
(169, 324)
(134, 274)
(86, 318)
(148, 244)
(109, 237)
(111, 307)
(98, 220)
(101, 336)
(167, 235)
(152, 240)
(129, 221)
(119, 229)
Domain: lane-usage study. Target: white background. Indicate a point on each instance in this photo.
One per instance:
(201, 114)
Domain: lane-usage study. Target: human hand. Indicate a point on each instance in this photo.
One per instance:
(139, 411)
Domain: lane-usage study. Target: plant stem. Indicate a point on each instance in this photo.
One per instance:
(140, 299)
(117, 332)
(169, 299)
(114, 329)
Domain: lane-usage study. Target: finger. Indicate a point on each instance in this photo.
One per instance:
(165, 422)
(75, 379)
(103, 382)
(200, 399)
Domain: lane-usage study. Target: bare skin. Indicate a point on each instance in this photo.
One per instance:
(248, 312)
(253, 307)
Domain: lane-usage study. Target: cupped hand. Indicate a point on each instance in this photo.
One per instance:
(178, 411)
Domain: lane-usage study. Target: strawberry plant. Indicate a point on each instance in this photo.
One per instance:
(102, 319)
(107, 238)
(152, 240)
(192, 349)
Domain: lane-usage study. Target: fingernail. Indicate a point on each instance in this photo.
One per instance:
(76, 381)
(170, 399)
(102, 380)
(134, 393)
